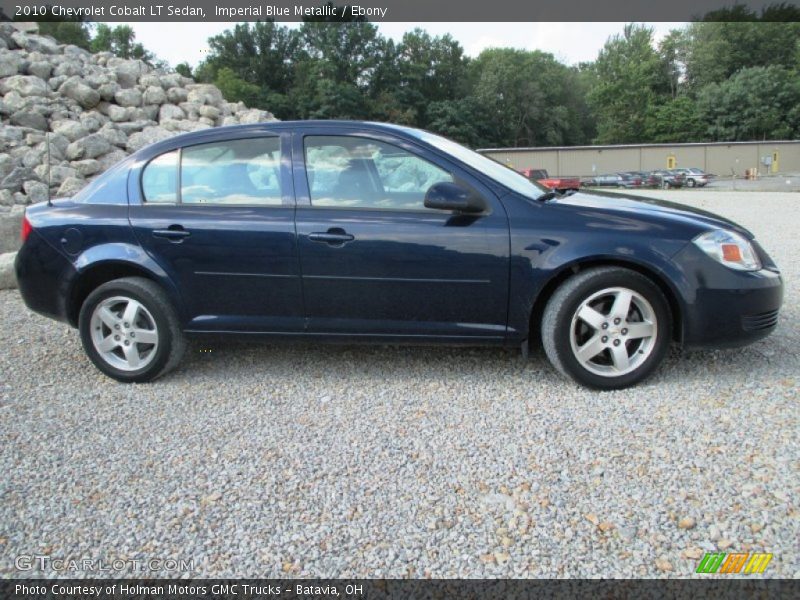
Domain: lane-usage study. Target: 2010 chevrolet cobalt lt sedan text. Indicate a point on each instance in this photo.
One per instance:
(361, 231)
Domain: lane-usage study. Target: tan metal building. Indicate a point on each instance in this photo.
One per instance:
(724, 159)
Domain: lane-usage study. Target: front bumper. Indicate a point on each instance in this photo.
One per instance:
(726, 308)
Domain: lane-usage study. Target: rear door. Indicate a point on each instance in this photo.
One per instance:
(376, 262)
(219, 218)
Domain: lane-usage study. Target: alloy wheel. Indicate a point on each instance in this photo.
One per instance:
(124, 333)
(613, 332)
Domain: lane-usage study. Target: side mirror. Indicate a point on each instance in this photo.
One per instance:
(454, 197)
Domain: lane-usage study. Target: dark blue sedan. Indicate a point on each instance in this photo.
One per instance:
(359, 231)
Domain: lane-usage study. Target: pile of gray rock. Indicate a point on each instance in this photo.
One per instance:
(98, 109)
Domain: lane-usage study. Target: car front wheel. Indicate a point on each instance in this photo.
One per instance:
(130, 331)
(607, 328)
(691, 183)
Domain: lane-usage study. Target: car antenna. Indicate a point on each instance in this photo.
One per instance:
(47, 145)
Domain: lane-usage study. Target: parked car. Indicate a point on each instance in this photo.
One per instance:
(349, 231)
(694, 177)
(560, 184)
(667, 179)
(631, 179)
(648, 179)
(612, 180)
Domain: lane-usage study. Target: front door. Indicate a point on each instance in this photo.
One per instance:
(376, 262)
(219, 218)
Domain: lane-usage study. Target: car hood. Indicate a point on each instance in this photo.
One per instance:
(660, 209)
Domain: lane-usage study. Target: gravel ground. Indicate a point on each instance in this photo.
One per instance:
(788, 182)
(304, 460)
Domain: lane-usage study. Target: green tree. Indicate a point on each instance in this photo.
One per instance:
(735, 38)
(65, 31)
(235, 89)
(336, 74)
(121, 41)
(757, 103)
(675, 121)
(184, 69)
(261, 53)
(426, 70)
(529, 98)
(462, 120)
(672, 51)
(630, 79)
(350, 51)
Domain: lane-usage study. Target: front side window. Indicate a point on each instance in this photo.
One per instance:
(232, 172)
(357, 172)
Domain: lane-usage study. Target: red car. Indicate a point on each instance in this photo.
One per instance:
(560, 184)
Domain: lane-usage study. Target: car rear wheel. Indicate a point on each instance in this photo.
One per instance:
(690, 183)
(607, 328)
(130, 331)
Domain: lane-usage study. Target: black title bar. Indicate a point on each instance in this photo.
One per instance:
(375, 10)
(717, 587)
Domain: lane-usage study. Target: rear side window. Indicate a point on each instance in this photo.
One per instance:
(232, 172)
(160, 179)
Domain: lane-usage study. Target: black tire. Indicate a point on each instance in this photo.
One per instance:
(557, 327)
(171, 342)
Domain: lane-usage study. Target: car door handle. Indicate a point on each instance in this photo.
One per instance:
(331, 237)
(174, 233)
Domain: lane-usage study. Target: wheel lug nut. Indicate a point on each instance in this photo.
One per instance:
(616, 322)
(127, 343)
(604, 339)
(616, 342)
(116, 326)
(605, 325)
(116, 337)
(624, 332)
(133, 335)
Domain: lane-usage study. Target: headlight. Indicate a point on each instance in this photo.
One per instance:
(730, 249)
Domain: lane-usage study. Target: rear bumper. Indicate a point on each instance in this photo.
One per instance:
(728, 308)
(43, 276)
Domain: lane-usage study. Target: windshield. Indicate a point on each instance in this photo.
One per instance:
(497, 171)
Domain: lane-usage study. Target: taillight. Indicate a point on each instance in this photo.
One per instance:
(26, 228)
